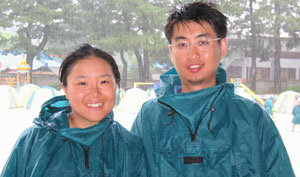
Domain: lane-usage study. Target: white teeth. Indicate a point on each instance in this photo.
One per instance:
(195, 66)
(95, 105)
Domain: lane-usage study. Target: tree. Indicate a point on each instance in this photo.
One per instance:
(130, 30)
(246, 24)
(35, 23)
(283, 17)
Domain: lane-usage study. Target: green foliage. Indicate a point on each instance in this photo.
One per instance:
(294, 88)
(35, 23)
(57, 26)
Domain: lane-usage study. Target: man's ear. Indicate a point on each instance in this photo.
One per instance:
(223, 45)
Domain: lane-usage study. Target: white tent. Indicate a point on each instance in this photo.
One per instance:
(40, 96)
(285, 102)
(7, 97)
(133, 100)
(59, 92)
(25, 93)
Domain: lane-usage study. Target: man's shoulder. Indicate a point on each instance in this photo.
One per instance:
(123, 136)
(150, 104)
(244, 105)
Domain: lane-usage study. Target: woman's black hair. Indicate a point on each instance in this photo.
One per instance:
(83, 51)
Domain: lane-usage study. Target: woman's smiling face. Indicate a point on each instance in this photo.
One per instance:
(91, 90)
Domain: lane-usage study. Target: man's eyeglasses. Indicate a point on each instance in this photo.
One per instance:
(201, 43)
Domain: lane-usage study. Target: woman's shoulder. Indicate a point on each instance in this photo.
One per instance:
(28, 136)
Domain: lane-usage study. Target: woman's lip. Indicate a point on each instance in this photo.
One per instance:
(95, 105)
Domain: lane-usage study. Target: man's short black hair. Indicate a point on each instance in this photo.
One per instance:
(198, 12)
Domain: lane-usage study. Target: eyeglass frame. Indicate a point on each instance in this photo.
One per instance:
(194, 44)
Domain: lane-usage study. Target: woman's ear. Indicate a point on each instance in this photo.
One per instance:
(65, 90)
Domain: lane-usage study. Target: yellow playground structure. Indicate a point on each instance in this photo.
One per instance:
(238, 83)
(137, 84)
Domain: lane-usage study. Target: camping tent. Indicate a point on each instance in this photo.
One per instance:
(39, 97)
(285, 102)
(133, 100)
(7, 97)
(25, 93)
(59, 92)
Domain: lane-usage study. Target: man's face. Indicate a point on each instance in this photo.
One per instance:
(196, 64)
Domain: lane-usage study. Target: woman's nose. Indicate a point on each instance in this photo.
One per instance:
(95, 91)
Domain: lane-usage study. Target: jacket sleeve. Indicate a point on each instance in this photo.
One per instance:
(142, 129)
(16, 164)
(277, 162)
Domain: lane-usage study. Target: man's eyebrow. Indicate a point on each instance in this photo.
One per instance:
(202, 35)
(177, 38)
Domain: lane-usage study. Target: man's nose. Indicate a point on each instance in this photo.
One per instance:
(193, 50)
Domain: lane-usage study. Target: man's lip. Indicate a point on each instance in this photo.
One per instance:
(195, 67)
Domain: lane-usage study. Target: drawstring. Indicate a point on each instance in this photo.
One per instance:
(171, 113)
(211, 117)
(102, 153)
(102, 156)
(211, 109)
(70, 146)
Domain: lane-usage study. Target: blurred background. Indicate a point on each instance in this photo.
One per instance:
(263, 60)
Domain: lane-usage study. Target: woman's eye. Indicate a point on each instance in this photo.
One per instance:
(104, 82)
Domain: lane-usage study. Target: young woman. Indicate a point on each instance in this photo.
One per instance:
(75, 134)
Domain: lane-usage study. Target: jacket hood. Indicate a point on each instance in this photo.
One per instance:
(170, 79)
(54, 117)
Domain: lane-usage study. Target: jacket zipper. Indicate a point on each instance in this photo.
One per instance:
(211, 109)
(86, 157)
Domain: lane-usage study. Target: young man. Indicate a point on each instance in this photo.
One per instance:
(197, 126)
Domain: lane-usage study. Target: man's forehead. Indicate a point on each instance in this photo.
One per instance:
(192, 30)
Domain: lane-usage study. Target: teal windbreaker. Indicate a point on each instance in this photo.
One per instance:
(51, 148)
(209, 133)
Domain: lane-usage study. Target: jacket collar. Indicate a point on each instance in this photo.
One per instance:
(192, 105)
(54, 117)
(170, 80)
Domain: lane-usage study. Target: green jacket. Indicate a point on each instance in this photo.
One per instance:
(51, 148)
(209, 133)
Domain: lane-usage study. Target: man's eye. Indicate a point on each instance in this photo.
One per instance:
(82, 83)
(203, 42)
(182, 45)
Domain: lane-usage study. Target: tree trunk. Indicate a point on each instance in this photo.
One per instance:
(29, 61)
(146, 65)
(253, 52)
(277, 71)
(124, 70)
(140, 64)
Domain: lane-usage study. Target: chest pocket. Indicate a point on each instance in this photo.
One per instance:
(196, 161)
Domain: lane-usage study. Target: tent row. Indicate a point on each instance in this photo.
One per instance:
(29, 96)
(32, 96)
